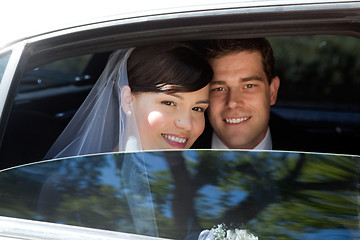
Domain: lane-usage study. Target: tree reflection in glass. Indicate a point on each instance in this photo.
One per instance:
(275, 195)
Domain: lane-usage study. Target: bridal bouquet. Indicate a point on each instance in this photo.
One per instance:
(221, 233)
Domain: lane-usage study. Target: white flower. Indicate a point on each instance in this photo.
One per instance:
(220, 233)
(239, 234)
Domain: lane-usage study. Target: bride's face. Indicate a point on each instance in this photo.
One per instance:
(170, 121)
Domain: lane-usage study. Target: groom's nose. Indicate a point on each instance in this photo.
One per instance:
(234, 98)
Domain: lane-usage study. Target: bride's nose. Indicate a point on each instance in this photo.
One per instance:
(184, 121)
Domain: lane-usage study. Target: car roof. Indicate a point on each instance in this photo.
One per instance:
(24, 19)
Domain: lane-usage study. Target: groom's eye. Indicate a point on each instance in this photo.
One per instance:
(218, 89)
(249, 86)
(169, 103)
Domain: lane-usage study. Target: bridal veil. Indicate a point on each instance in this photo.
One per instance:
(99, 124)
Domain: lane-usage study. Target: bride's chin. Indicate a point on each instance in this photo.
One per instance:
(168, 145)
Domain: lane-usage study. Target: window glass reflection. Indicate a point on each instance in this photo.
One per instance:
(175, 194)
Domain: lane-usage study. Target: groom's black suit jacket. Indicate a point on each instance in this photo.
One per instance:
(284, 136)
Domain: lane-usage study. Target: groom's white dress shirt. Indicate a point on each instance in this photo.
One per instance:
(265, 144)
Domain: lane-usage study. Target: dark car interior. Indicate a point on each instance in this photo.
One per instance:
(318, 101)
(45, 103)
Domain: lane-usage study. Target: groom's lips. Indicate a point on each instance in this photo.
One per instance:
(175, 141)
(236, 120)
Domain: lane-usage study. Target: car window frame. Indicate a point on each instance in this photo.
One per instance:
(10, 81)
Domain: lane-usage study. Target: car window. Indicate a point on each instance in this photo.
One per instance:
(56, 74)
(318, 71)
(178, 194)
(318, 98)
(4, 59)
(319, 85)
(47, 98)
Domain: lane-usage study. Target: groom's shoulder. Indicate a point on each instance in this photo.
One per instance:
(287, 136)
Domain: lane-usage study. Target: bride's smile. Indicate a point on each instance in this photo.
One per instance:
(174, 140)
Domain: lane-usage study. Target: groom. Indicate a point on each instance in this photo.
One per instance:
(243, 89)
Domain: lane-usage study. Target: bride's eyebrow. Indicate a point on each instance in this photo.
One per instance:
(203, 102)
(176, 95)
(206, 101)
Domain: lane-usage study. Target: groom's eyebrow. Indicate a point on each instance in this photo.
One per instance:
(252, 78)
(182, 98)
(217, 82)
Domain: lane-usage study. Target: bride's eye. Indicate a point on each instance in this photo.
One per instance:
(169, 103)
(199, 109)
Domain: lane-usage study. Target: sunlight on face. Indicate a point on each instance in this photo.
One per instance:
(154, 117)
(170, 121)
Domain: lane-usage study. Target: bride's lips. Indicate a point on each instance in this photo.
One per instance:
(236, 120)
(174, 140)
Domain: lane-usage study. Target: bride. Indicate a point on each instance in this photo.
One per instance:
(148, 97)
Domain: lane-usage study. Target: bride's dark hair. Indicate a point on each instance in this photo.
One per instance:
(167, 67)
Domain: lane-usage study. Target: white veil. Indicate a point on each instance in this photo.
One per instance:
(99, 124)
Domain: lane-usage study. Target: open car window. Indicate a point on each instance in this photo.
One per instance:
(177, 194)
(64, 72)
(319, 84)
(318, 100)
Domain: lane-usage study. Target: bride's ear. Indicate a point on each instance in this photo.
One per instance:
(126, 98)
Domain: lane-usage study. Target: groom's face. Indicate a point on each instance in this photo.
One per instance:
(240, 99)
